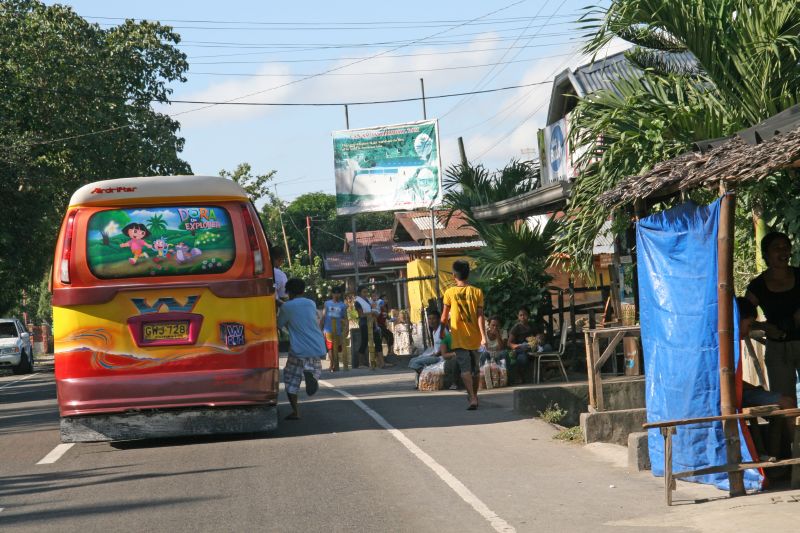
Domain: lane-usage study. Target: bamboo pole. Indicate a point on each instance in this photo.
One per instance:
(725, 328)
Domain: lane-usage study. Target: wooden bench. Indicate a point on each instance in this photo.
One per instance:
(669, 428)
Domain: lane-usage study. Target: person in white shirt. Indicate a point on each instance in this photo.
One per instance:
(278, 257)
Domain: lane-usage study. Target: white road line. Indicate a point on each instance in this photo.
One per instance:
(499, 525)
(18, 380)
(55, 454)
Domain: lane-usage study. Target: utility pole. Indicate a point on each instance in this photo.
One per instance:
(283, 229)
(464, 161)
(353, 219)
(308, 234)
(433, 218)
(424, 111)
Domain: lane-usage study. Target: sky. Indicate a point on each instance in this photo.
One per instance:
(357, 51)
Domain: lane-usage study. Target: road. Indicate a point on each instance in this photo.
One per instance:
(369, 454)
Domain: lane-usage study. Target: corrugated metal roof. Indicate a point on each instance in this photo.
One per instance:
(601, 73)
(458, 227)
(341, 261)
(424, 223)
(367, 238)
(387, 255)
(469, 245)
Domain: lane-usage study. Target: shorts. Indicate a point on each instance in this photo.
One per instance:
(782, 360)
(467, 361)
(293, 371)
(329, 341)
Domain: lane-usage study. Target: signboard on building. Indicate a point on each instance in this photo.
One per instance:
(387, 168)
(555, 155)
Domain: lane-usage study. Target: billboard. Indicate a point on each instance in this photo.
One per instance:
(387, 168)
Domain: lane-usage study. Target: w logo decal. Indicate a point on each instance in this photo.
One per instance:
(171, 304)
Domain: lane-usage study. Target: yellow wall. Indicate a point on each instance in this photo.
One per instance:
(419, 292)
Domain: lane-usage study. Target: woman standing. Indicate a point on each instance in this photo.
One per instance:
(777, 292)
(403, 339)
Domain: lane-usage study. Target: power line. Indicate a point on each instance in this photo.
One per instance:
(370, 102)
(378, 73)
(293, 82)
(319, 60)
(316, 25)
(488, 76)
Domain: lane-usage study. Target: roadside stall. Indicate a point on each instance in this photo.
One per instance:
(689, 322)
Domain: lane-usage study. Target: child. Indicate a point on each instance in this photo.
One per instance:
(306, 344)
(335, 308)
(137, 233)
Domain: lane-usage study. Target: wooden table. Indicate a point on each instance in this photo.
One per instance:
(595, 360)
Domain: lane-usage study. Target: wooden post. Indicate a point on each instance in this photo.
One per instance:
(589, 370)
(597, 377)
(727, 371)
(669, 482)
(796, 454)
(373, 363)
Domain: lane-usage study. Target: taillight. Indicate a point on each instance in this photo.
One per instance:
(258, 259)
(66, 248)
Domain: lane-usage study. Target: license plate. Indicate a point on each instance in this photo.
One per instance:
(166, 331)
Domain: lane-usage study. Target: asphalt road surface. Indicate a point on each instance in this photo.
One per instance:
(369, 454)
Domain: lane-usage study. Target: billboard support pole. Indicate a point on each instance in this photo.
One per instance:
(435, 260)
(353, 219)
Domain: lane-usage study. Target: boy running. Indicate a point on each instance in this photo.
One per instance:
(306, 344)
(463, 307)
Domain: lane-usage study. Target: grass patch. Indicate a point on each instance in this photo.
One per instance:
(573, 434)
(553, 414)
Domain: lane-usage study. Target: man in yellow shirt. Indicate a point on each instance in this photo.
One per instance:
(463, 311)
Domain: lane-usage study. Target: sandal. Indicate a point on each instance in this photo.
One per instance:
(312, 385)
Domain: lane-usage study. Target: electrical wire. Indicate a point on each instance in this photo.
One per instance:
(293, 82)
(378, 73)
(488, 76)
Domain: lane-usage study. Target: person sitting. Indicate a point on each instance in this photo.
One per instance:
(518, 342)
(431, 355)
(496, 345)
(754, 396)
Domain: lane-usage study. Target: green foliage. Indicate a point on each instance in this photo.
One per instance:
(573, 434)
(256, 186)
(62, 79)
(156, 225)
(317, 288)
(327, 229)
(747, 55)
(553, 414)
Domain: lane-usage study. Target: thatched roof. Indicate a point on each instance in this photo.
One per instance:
(736, 160)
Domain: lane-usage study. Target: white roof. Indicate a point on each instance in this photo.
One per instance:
(154, 189)
(445, 246)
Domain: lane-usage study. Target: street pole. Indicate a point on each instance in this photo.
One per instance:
(424, 110)
(463, 152)
(435, 260)
(283, 230)
(352, 220)
(308, 234)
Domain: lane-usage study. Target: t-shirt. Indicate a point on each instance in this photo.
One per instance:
(299, 316)
(520, 332)
(447, 342)
(464, 303)
(336, 310)
(779, 307)
(280, 282)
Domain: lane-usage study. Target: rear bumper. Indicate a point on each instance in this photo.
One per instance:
(117, 394)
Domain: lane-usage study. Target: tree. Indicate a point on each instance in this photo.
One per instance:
(256, 186)
(327, 228)
(76, 105)
(746, 70)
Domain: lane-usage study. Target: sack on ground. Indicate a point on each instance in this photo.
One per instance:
(493, 374)
(432, 377)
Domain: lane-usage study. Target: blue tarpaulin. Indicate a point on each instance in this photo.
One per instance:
(677, 269)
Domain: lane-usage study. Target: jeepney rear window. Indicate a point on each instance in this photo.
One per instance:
(160, 241)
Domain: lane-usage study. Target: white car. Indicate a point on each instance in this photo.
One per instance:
(16, 348)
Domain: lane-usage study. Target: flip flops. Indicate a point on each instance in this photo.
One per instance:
(312, 385)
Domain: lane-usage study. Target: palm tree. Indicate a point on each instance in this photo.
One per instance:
(156, 225)
(746, 70)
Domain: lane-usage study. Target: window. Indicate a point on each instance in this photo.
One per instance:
(160, 241)
(8, 330)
